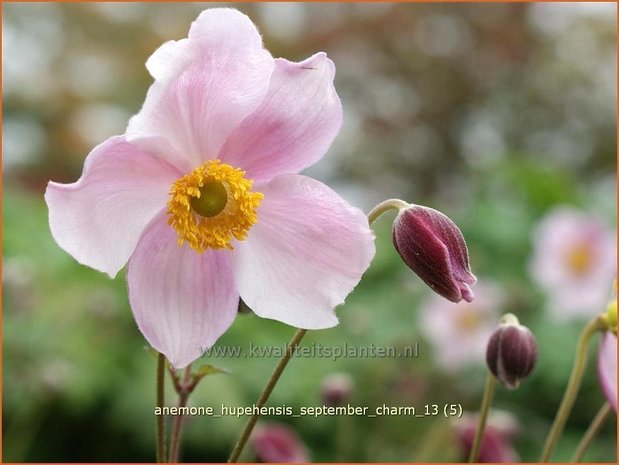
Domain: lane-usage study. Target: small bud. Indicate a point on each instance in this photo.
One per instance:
(512, 352)
(336, 389)
(434, 248)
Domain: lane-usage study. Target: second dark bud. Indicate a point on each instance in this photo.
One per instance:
(512, 352)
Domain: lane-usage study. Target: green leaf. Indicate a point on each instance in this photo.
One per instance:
(206, 370)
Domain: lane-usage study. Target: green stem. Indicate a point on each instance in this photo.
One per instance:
(592, 431)
(296, 339)
(264, 397)
(573, 385)
(160, 401)
(383, 207)
(486, 402)
(178, 419)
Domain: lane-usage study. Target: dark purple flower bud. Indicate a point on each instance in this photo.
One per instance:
(512, 352)
(434, 248)
(336, 389)
(278, 443)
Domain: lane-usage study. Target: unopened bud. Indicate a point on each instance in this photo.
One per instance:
(512, 352)
(434, 248)
(336, 389)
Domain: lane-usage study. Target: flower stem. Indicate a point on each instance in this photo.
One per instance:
(486, 402)
(183, 394)
(264, 397)
(160, 400)
(573, 385)
(592, 431)
(296, 339)
(383, 207)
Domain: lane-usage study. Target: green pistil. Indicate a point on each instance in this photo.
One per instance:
(212, 200)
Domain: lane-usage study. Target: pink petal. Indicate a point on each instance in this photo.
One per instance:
(182, 301)
(294, 126)
(170, 59)
(607, 367)
(204, 87)
(99, 218)
(305, 254)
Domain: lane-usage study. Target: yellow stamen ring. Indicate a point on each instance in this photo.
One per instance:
(213, 205)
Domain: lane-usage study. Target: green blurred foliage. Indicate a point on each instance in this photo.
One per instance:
(482, 128)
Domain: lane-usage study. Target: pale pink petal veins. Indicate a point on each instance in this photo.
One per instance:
(204, 87)
(99, 218)
(607, 367)
(294, 126)
(182, 301)
(305, 254)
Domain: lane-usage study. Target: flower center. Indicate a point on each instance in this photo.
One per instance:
(213, 205)
(579, 259)
(211, 201)
(468, 320)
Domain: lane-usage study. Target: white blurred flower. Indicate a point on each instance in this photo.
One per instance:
(574, 262)
(459, 332)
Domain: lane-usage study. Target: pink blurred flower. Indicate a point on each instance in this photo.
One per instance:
(459, 333)
(210, 162)
(501, 428)
(278, 443)
(607, 367)
(574, 261)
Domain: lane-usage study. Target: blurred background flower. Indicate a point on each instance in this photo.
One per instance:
(495, 114)
(459, 333)
(496, 446)
(278, 443)
(574, 262)
(336, 389)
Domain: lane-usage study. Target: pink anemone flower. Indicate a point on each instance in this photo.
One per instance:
(607, 367)
(202, 198)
